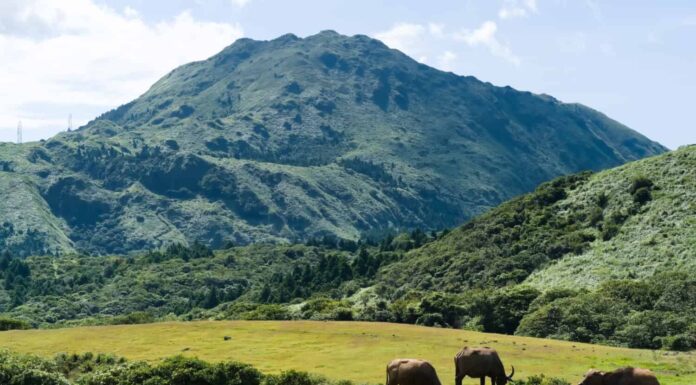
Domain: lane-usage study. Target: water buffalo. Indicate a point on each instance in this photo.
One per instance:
(623, 376)
(480, 363)
(411, 371)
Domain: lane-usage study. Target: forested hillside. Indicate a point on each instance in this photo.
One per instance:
(585, 257)
(575, 232)
(292, 138)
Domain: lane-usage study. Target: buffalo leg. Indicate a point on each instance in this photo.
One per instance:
(458, 380)
(483, 381)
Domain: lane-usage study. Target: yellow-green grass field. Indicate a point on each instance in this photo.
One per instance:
(355, 351)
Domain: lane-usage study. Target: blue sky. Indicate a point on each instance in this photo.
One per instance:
(633, 60)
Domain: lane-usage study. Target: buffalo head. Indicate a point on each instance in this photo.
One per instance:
(592, 377)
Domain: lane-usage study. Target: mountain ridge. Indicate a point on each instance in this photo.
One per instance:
(293, 138)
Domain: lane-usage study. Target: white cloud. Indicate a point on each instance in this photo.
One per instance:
(511, 12)
(437, 30)
(420, 40)
(240, 3)
(485, 36)
(406, 37)
(512, 9)
(58, 57)
(130, 12)
(446, 61)
(531, 4)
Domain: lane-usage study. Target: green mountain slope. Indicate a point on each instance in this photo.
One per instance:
(578, 231)
(290, 138)
(604, 257)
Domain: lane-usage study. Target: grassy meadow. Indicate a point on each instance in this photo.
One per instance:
(355, 351)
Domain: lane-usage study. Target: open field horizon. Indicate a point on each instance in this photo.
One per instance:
(357, 351)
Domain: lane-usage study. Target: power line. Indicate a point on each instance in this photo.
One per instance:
(69, 122)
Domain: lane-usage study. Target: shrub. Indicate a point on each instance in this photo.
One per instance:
(431, 319)
(542, 380)
(267, 313)
(38, 377)
(13, 324)
(642, 196)
(680, 342)
(135, 318)
(640, 182)
(293, 377)
(640, 189)
(609, 230)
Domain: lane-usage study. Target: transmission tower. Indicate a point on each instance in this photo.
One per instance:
(19, 132)
(69, 122)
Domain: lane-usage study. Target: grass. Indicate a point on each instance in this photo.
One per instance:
(355, 351)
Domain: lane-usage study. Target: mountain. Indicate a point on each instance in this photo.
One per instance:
(295, 138)
(578, 231)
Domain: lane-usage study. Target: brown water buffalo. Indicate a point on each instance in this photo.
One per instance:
(623, 376)
(480, 363)
(409, 371)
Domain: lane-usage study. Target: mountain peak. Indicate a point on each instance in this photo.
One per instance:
(293, 138)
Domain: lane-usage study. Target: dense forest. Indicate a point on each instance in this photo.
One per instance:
(328, 280)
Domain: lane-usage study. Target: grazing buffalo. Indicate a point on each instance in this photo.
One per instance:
(624, 376)
(410, 371)
(480, 363)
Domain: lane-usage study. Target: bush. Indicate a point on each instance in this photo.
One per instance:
(640, 189)
(176, 370)
(270, 312)
(135, 318)
(680, 342)
(13, 324)
(640, 182)
(38, 377)
(431, 319)
(542, 380)
(290, 378)
(88, 369)
(642, 196)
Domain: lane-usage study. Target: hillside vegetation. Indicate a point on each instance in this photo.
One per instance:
(90, 369)
(578, 231)
(353, 351)
(290, 139)
(501, 272)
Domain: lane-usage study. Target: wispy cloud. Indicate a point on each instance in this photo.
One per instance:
(240, 3)
(485, 36)
(406, 37)
(517, 8)
(447, 60)
(89, 57)
(415, 40)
